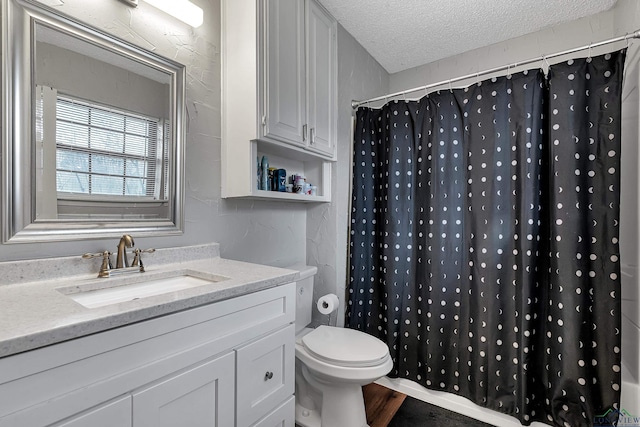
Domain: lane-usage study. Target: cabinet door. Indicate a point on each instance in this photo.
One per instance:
(284, 56)
(321, 43)
(200, 397)
(265, 375)
(282, 416)
(113, 414)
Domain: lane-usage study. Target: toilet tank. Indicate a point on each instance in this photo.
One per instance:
(304, 295)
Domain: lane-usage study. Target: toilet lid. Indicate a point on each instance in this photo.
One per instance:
(345, 347)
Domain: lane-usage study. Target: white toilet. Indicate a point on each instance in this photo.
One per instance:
(332, 365)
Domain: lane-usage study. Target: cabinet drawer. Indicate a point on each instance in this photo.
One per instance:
(265, 375)
(282, 416)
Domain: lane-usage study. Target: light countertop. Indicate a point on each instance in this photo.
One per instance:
(36, 313)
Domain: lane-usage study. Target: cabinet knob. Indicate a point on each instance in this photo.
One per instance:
(268, 375)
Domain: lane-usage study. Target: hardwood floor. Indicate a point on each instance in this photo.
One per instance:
(381, 404)
(387, 408)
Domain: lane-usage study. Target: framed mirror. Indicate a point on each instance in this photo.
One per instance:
(92, 131)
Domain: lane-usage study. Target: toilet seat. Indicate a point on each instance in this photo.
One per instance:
(345, 347)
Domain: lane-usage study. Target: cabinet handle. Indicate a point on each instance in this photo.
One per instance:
(304, 133)
(268, 375)
(313, 136)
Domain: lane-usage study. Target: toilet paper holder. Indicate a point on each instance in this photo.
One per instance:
(328, 305)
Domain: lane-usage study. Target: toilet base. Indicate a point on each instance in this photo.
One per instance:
(307, 417)
(342, 406)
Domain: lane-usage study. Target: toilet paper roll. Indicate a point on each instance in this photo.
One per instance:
(327, 304)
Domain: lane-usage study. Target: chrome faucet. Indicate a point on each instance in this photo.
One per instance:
(126, 241)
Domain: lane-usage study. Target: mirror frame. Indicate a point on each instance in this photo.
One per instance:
(19, 18)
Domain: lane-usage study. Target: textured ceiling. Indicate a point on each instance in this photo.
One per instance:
(403, 34)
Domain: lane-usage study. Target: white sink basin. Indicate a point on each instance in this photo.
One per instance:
(102, 292)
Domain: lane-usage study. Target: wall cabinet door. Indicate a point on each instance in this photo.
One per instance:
(113, 414)
(285, 115)
(321, 33)
(199, 397)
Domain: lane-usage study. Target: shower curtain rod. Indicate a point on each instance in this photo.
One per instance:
(634, 35)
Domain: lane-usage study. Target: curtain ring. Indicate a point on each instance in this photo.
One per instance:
(508, 71)
(545, 61)
(478, 78)
(589, 56)
(450, 88)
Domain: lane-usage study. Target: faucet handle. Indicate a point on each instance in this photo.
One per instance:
(90, 255)
(106, 262)
(137, 259)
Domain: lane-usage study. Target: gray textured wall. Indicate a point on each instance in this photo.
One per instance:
(550, 40)
(76, 74)
(359, 77)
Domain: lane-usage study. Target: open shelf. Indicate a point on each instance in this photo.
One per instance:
(243, 182)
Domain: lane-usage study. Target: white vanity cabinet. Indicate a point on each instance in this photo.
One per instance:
(230, 363)
(279, 84)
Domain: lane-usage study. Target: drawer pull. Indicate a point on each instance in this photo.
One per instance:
(268, 376)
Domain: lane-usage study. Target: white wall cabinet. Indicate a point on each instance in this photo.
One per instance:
(279, 84)
(300, 73)
(225, 364)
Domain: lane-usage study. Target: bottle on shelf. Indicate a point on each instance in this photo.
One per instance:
(258, 173)
(264, 170)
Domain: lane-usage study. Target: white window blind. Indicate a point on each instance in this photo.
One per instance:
(101, 150)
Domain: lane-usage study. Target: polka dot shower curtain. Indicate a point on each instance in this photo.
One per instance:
(484, 245)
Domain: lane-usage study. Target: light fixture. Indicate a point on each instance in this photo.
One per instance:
(183, 10)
